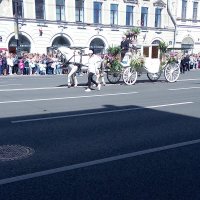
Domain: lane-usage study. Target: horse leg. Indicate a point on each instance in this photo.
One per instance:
(69, 77)
(71, 73)
(102, 79)
(102, 69)
(98, 78)
(74, 79)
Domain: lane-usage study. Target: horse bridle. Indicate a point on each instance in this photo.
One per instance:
(70, 61)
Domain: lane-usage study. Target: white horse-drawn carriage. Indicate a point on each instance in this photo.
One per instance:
(152, 67)
(76, 58)
(129, 70)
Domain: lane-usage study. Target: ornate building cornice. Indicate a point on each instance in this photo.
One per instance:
(131, 1)
(159, 3)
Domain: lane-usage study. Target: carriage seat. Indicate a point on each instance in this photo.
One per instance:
(127, 59)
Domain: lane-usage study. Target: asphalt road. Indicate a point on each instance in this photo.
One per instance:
(137, 142)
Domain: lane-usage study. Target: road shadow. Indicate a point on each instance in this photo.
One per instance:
(67, 138)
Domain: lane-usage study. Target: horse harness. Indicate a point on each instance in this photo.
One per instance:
(78, 64)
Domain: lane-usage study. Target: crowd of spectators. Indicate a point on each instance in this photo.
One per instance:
(29, 64)
(42, 64)
(188, 62)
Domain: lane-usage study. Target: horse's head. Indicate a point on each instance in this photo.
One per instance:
(63, 53)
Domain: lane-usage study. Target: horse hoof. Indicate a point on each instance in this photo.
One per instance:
(69, 86)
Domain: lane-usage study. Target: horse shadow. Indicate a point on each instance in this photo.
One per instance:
(80, 85)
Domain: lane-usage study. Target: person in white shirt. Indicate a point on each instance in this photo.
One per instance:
(92, 70)
(10, 63)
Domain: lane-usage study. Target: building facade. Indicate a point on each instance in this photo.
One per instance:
(187, 24)
(40, 24)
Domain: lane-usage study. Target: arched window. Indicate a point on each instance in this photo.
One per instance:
(187, 44)
(24, 44)
(61, 41)
(98, 46)
(156, 42)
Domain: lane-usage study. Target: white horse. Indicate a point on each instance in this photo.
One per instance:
(77, 58)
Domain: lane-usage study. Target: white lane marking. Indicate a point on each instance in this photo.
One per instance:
(96, 162)
(97, 113)
(62, 98)
(8, 85)
(191, 79)
(45, 88)
(185, 88)
(25, 89)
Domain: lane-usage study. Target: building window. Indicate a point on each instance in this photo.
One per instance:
(60, 41)
(98, 46)
(154, 52)
(144, 16)
(155, 49)
(19, 6)
(158, 17)
(114, 14)
(79, 10)
(195, 9)
(146, 51)
(24, 44)
(60, 10)
(39, 9)
(129, 15)
(97, 12)
(184, 9)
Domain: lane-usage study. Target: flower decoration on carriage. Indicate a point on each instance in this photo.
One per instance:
(170, 57)
(166, 57)
(114, 57)
(163, 52)
(114, 51)
(137, 62)
(133, 33)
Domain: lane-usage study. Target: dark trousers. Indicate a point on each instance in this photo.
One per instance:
(91, 80)
(123, 52)
(187, 67)
(26, 71)
(15, 69)
(182, 68)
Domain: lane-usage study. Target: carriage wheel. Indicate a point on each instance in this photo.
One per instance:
(153, 76)
(172, 72)
(129, 76)
(113, 76)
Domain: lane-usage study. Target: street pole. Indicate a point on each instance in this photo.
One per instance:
(174, 23)
(83, 7)
(16, 26)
